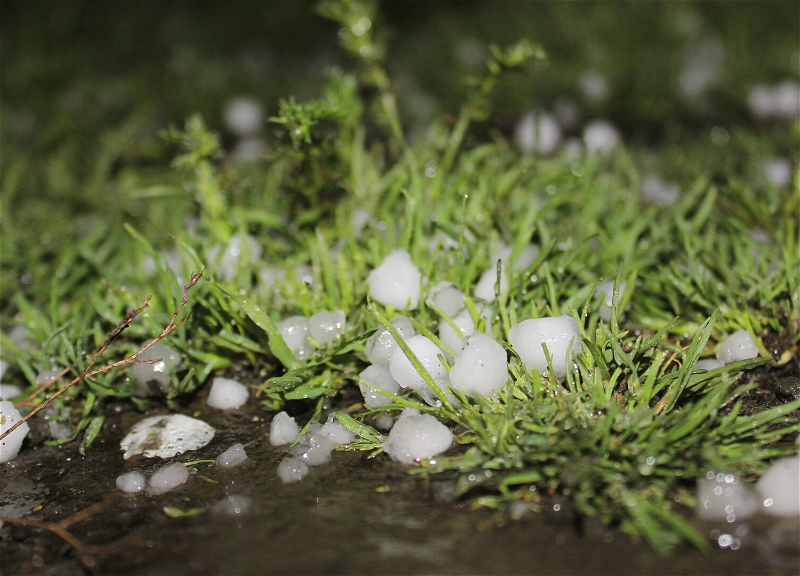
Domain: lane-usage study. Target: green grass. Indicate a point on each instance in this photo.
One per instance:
(623, 437)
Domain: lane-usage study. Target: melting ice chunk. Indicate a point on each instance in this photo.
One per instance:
(381, 345)
(325, 327)
(738, 346)
(131, 482)
(427, 353)
(314, 450)
(381, 377)
(779, 488)
(166, 436)
(481, 367)
(227, 394)
(283, 430)
(292, 469)
(336, 433)
(396, 282)
(725, 496)
(155, 378)
(447, 298)
(10, 445)
(294, 331)
(559, 334)
(9, 391)
(708, 364)
(416, 436)
(451, 338)
(232, 457)
(168, 478)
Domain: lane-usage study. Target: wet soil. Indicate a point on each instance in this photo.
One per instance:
(354, 516)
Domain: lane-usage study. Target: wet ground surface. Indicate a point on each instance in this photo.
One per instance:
(354, 515)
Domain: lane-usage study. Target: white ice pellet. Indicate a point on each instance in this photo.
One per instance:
(601, 136)
(249, 149)
(708, 364)
(427, 353)
(336, 433)
(283, 429)
(314, 449)
(381, 345)
(168, 478)
(9, 391)
(701, 68)
(359, 220)
(155, 378)
(417, 436)
(725, 496)
(480, 368)
(271, 275)
(559, 334)
(778, 172)
(59, 430)
(381, 377)
(779, 488)
(227, 394)
(131, 482)
(294, 331)
(232, 457)
(738, 346)
(449, 336)
(384, 422)
(325, 327)
(485, 287)
(396, 282)
(232, 258)
(538, 132)
(526, 257)
(658, 191)
(3, 368)
(244, 116)
(573, 148)
(594, 85)
(775, 102)
(166, 436)
(10, 445)
(292, 469)
(447, 298)
(431, 399)
(605, 294)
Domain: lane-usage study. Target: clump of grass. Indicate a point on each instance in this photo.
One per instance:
(623, 436)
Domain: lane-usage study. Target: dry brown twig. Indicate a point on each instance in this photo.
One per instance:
(132, 359)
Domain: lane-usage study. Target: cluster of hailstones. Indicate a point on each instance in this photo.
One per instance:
(478, 367)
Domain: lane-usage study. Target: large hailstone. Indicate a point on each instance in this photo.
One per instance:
(601, 136)
(155, 378)
(427, 353)
(417, 436)
(447, 298)
(227, 394)
(294, 331)
(480, 368)
(325, 327)
(779, 488)
(559, 334)
(538, 132)
(738, 346)
(396, 282)
(166, 436)
(381, 377)
(10, 445)
(724, 496)
(168, 478)
(451, 338)
(605, 294)
(381, 345)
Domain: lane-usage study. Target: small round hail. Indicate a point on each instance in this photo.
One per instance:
(131, 482)
(480, 368)
(724, 496)
(485, 287)
(243, 116)
(233, 257)
(9, 391)
(427, 353)
(227, 394)
(325, 327)
(283, 430)
(381, 377)
(708, 364)
(447, 298)
(168, 478)
(539, 133)
(658, 191)
(416, 437)
(593, 85)
(294, 331)
(560, 334)
(738, 346)
(601, 136)
(166, 436)
(778, 172)
(605, 294)
(233, 456)
(779, 488)
(381, 345)
(396, 282)
(10, 445)
(155, 378)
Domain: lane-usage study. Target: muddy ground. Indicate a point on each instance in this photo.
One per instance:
(354, 515)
